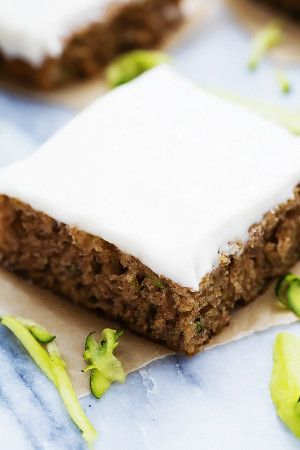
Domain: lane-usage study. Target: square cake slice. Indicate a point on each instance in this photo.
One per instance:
(160, 205)
(51, 42)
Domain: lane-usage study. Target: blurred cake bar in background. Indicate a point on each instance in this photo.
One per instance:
(46, 43)
(160, 205)
(289, 6)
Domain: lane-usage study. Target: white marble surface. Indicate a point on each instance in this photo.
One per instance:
(216, 400)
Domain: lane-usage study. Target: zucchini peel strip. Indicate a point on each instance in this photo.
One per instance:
(41, 334)
(68, 395)
(268, 37)
(33, 347)
(33, 336)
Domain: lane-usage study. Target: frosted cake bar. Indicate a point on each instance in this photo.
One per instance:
(46, 43)
(160, 205)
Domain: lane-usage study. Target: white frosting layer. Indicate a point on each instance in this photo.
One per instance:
(167, 172)
(35, 29)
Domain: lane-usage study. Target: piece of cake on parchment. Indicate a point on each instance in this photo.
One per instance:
(160, 205)
(47, 43)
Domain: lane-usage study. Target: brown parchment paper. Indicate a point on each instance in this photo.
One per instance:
(72, 324)
(254, 15)
(81, 94)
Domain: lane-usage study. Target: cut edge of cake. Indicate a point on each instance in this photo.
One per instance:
(95, 274)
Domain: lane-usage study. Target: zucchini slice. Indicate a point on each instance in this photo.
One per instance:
(99, 384)
(293, 296)
(90, 347)
(282, 285)
(104, 365)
